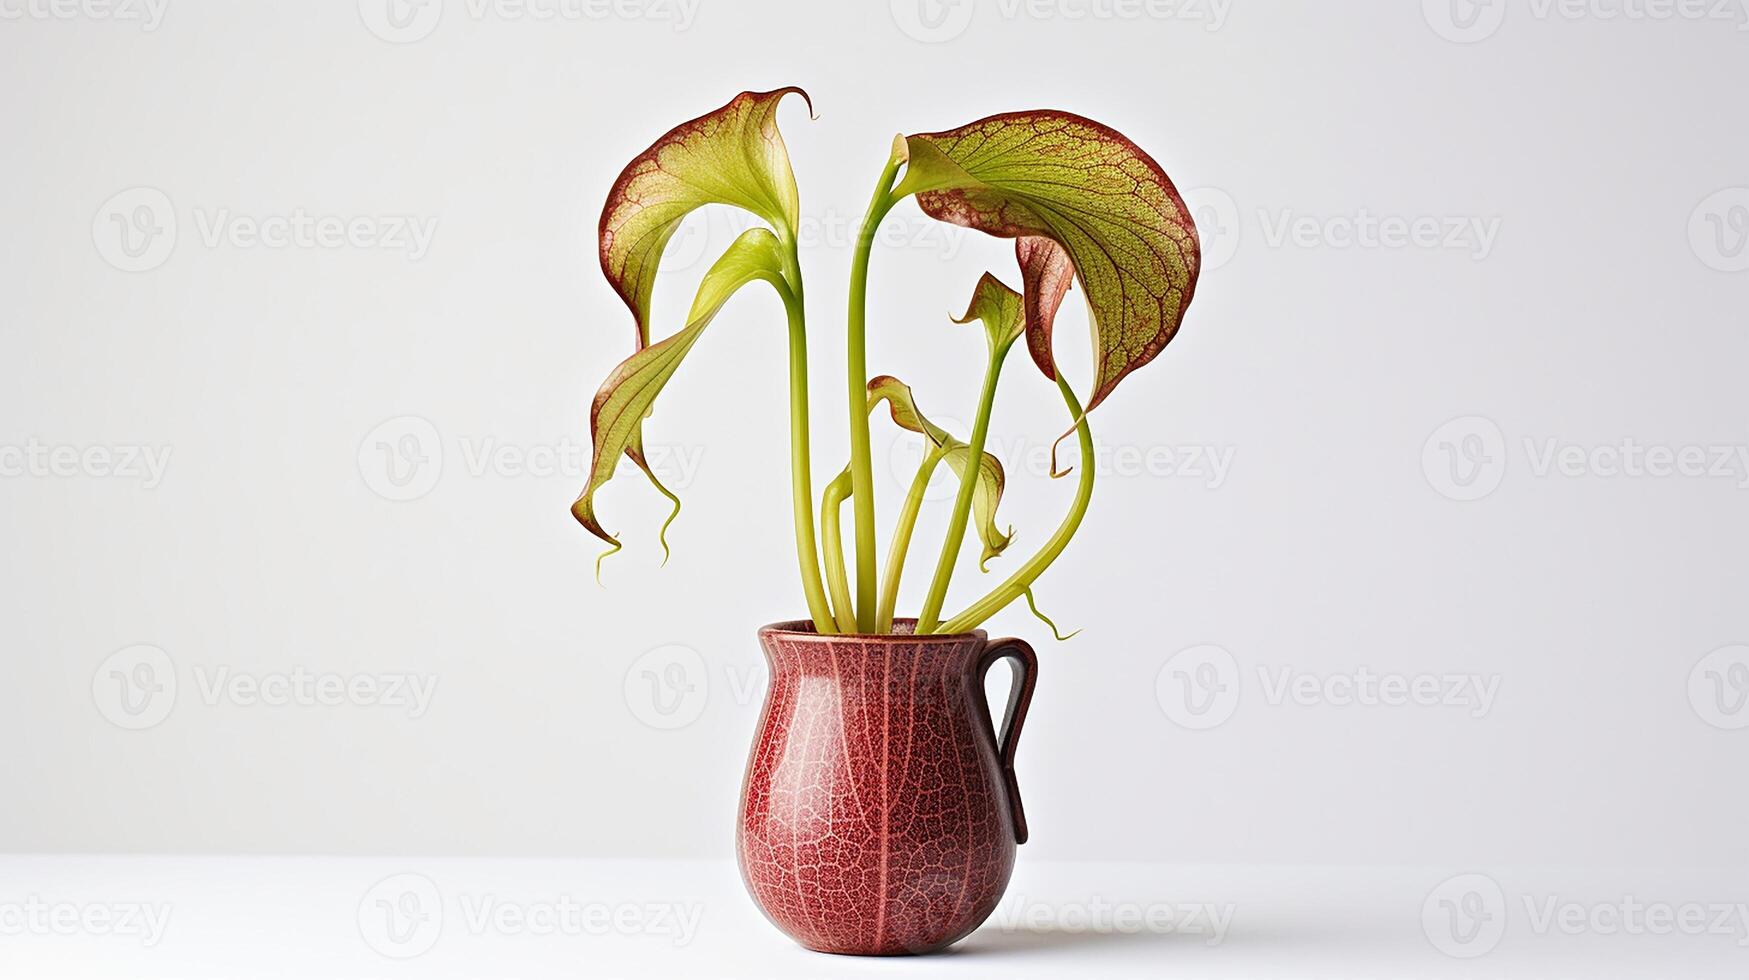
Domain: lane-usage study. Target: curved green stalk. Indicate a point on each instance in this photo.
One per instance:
(930, 618)
(1023, 577)
(895, 567)
(801, 467)
(861, 467)
(832, 540)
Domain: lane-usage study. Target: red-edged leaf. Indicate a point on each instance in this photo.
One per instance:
(987, 496)
(733, 156)
(1088, 188)
(624, 399)
(1045, 273)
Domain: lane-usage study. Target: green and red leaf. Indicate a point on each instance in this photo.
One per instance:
(734, 155)
(987, 496)
(1089, 189)
(1046, 274)
(616, 416)
(1001, 310)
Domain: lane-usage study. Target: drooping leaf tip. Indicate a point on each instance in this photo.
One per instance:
(793, 89)
(662, 535)
(996, 551)
(1033, 605)
(601, 558)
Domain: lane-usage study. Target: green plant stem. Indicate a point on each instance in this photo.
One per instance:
(1023, 577)
(930, 618)
(895, 567)
(832, 540)
(801, 466)
(861, 467)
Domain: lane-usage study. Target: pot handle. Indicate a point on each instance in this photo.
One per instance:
(1019, 655)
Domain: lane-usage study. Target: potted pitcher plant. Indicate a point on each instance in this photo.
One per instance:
(879, 812)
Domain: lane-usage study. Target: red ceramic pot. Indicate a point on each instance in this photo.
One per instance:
(879, 814)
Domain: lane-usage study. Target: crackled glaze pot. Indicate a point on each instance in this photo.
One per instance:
(879, 814)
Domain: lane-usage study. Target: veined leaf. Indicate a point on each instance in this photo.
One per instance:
(1046, 275)
(617, 414)
(733, 156)
(1091, 190)
(991, 480)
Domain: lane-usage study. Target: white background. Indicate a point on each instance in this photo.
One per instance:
(1385, 410)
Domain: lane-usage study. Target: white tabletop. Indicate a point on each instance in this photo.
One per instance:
(188, 918)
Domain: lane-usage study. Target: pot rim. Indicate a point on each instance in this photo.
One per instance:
(803, 630)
